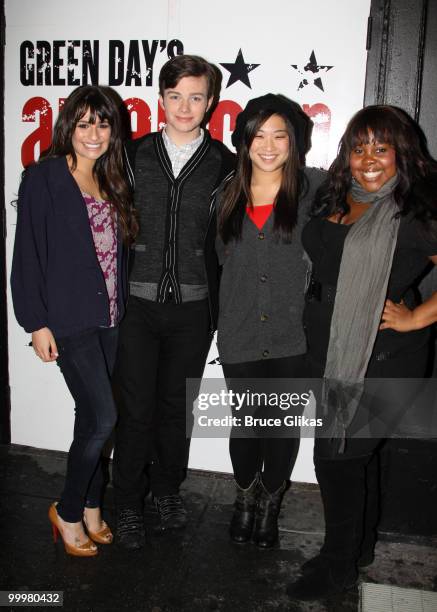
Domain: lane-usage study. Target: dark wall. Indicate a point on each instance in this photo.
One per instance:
(427, 116)
(5, 434)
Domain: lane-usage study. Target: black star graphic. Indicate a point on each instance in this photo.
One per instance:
(239, 70)
(315, 68)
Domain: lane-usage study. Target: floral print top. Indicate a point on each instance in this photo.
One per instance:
(104, 230)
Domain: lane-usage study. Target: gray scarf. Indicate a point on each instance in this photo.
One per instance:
(361, 292)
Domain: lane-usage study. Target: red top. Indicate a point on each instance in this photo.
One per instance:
(259, 214)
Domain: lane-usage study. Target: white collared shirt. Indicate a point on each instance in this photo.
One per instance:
(179, 155)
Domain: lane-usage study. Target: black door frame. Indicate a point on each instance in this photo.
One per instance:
(402, 51)
(402, 70)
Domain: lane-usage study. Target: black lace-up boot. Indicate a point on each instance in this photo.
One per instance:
(171, 511)
(130, 532)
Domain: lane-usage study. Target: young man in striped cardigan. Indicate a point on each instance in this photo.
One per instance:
(172, 311)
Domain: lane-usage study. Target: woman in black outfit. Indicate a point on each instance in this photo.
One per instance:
(372, 235)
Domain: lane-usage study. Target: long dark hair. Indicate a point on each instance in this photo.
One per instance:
(108, 169)
(237, 193)
(416, 191)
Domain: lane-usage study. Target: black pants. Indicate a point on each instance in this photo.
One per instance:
(273, 457)
(397, 398)
(86, 361)
(349, 481)
(161, 345)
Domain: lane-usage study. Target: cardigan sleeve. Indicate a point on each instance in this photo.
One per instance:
(30, 258)
(129, 163)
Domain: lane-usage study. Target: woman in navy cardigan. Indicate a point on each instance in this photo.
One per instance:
(69, 288)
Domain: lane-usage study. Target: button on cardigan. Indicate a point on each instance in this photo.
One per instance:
(262, 289)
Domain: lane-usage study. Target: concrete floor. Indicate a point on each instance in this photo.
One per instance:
(199, 570)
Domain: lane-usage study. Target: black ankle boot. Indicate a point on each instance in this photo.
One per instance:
(366, 558)
(243, 518)
(330, 577)
(266, 521)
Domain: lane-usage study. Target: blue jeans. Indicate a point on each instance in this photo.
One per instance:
(86, 361)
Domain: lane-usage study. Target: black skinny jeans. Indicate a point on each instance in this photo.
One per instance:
(86, 361)
(161, 345)
(274, 458)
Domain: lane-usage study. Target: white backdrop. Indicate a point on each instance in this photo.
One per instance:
(312, 51)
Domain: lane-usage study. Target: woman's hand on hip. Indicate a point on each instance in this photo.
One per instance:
(398, 317)
(44, 344)
(402, 319)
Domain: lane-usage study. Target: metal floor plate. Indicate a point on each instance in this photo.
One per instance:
(387, 598)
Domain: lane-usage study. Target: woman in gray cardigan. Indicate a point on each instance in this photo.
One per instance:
(261, 213)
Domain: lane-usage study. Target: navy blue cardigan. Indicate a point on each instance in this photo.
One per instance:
(56, 278)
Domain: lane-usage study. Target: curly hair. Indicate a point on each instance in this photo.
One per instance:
(416, 191)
